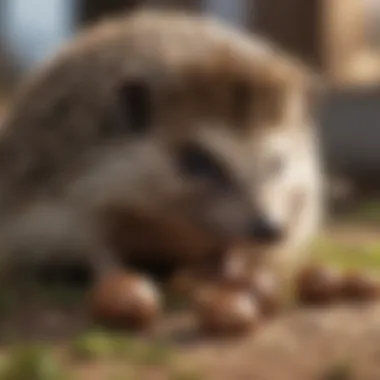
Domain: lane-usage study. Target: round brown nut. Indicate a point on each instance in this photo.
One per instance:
(262, 283)
(358, 286)
(226, 311)
(125, 300)
(317, 284)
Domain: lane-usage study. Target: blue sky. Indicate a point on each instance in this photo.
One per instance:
(35, 28)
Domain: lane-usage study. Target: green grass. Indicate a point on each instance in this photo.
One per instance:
(96, 345)
(367, 211)
(34, 362)
(342, 255)
(41, 362)
(186, 375)
(105, 345)
(352, 256)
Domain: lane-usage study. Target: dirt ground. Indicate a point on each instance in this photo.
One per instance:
(335, 343)
(309, 344)
(341, 342)
(338, 343)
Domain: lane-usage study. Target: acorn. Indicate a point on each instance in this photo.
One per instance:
(318, 284)
(359, 286)
(264, 288)
(263, 284)
(125, 300)
(225, 311)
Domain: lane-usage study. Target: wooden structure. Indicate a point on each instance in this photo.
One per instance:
(331, 35)
(91, 10)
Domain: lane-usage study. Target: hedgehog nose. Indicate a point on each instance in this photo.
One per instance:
(264, 231)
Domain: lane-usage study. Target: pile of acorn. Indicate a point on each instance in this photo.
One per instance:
(320, 285)
(229, 305)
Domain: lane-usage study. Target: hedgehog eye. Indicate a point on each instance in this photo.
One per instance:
(137, 106)
(197, 162)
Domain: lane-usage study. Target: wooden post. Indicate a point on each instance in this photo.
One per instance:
(174, 4)
(329, 35)
(293, 24)
(91, 10)
(9, 73)
(343, 36)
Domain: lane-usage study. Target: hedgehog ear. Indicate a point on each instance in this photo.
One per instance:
(137, 107)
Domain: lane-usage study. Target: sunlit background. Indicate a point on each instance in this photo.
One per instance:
(340, 39)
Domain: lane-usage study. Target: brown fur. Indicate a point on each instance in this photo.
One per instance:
(66, 116)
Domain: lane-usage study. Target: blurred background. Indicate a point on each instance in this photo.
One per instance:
(339, 38)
